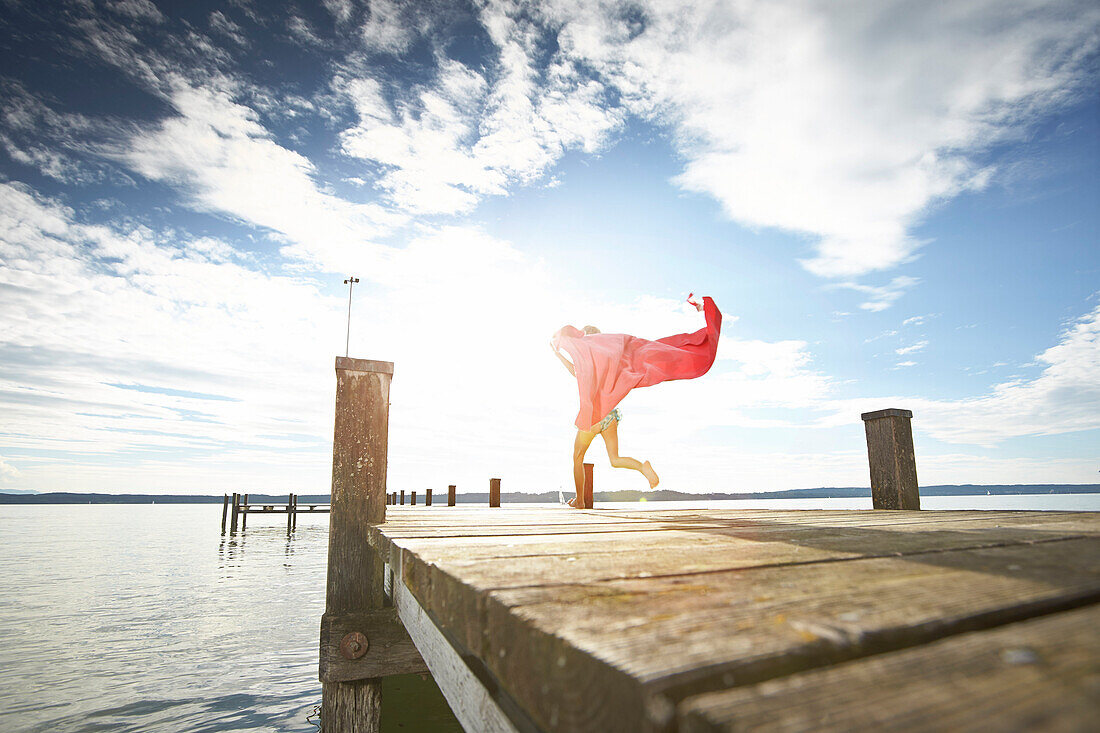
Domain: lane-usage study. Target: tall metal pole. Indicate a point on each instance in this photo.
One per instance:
(350, 282)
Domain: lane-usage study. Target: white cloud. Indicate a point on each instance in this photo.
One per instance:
(1064, 397)
(879, 298)
(843, 122)
(467, 134)
(912, 348)
(220, 156)
(131, 308)
(387, 27)
(137, 10)
(8, 472)
(341, 10)
(222, 24)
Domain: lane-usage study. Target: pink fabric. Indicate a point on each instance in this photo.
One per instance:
(609, 365)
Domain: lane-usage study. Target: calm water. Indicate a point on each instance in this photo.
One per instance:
(144, 618)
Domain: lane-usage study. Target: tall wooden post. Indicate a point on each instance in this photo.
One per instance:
(289, 513)
(244, 512)
(451, 495)
(494, 492)
(892, 458)
(225, 509)
(428, 497)
(588, 485)
(294, 520)
(413, 500)
(360, 442)
(402, 497)
(236, 510)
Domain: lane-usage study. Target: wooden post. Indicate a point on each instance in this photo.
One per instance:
(451, 495)
(494, 492)
(289, 513)
(225, 509)
(413, 501)
(294, 522)
(360, 442)
(892, 459)
(428, 497)
(244, 512)
(402, 497)
(236, 510)
(588, 485)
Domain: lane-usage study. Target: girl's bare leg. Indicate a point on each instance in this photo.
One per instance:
(580, 447)
(611, 440)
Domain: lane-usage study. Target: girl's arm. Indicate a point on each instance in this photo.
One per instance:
(564, 361)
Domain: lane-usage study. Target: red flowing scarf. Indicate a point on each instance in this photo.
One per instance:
(609, 365)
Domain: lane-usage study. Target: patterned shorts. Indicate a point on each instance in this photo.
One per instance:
(602, 424)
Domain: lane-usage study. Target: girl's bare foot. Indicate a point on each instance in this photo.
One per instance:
(650, 474)
(572, 502)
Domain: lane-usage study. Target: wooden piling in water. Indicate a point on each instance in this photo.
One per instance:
(892, 459)
(588, 502)
(428, 497)
(355, 583)
(244, 514)
(402, 497)
(413, 502)
(294, 520)
(494, 492)
(236, 513)
(451, 495)
(289, 513)
(225, 510)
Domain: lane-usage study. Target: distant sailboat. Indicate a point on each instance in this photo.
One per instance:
(561, 497)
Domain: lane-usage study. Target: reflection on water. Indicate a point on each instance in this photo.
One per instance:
(146, 618)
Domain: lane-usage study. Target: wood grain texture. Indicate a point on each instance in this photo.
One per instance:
(355, 707)
(892, 461)
(1036, 675)
(354, 580)
(470, 699)
(662, 638)
(390, 650)
(649, 608)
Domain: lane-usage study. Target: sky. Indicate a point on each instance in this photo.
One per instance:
(894, 205)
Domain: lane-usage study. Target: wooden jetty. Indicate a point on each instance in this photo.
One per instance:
(236, 509)
(554, 619)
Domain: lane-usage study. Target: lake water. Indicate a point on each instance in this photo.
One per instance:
(145, 618)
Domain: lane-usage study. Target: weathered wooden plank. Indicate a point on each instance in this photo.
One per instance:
(389, 648)
(1041, 674)
(475, 520)
(647, 643)
(471, 700)
(489, 563)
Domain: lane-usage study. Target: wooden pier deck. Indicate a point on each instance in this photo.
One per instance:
(609, 620)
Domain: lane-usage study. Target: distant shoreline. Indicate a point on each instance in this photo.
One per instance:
(552, 496)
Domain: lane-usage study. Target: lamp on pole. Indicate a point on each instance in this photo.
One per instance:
(350, 282)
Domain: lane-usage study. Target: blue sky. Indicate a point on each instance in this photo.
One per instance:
(894, 205)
